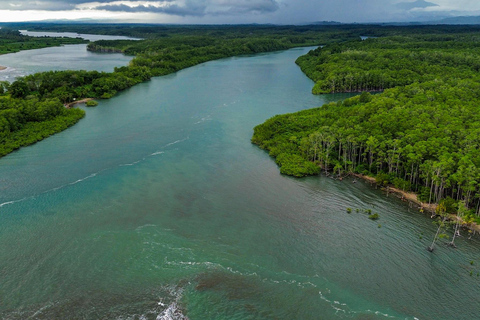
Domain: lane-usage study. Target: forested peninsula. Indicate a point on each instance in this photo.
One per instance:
(421, 133)
(12, 41)
(26, 119)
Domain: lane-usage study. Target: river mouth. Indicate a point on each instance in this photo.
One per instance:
(157, 204)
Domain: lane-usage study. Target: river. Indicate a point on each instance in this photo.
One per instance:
(68, 57)
(157, 206)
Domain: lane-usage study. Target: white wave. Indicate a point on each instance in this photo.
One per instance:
(207, 118)
(16, 201)
(173, 312)
(39, 311)
(175, 142)
(209, 265)
(347, 311)
(8, 202)
(51, 190)
(334, 304)
(131, 164)
(83, 179)
(145, 226)
(157, 153)
(378, 313)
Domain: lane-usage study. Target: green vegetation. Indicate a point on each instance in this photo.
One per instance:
(377, 64)
(374, 216)
(68, 86)
(92, 103)
(12, 41)
(421, 135)
(24, 118)
(24, 122)
(169, 49)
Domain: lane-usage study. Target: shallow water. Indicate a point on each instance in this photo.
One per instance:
(157, 206)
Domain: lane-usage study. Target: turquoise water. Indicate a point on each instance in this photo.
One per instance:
(157, 206)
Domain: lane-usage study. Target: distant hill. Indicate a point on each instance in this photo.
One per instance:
(326, 23)
(459, 20)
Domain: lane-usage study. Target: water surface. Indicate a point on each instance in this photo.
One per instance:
(68, 57)
(156, 205)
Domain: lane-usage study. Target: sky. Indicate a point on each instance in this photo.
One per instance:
(236, 11)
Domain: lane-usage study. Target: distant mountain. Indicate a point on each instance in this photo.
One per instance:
(416, 4)
(459, 20)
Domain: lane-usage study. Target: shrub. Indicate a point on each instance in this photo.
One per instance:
(92, 103)
(295, 165)
(374, 216)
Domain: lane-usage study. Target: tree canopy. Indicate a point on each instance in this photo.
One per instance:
(421, 135)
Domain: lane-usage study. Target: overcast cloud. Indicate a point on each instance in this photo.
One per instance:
(241, 11)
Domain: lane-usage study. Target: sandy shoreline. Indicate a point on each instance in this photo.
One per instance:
(412, 199)
(70, 104)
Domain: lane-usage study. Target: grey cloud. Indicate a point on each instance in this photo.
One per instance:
(245, 6)
(170, 9)
(416, 4)
(37, 5)
(190, 7)
(202, 8)
(263, 11)
(51, 4)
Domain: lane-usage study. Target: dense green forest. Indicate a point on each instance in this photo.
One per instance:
(376, 64)
(421, 135)
(12, 41)
(26, 119)
(154, 31)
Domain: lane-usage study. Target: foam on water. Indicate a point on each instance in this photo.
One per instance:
(173, 311)
(175, 142)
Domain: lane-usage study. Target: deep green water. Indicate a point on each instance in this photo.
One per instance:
(156, 205)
